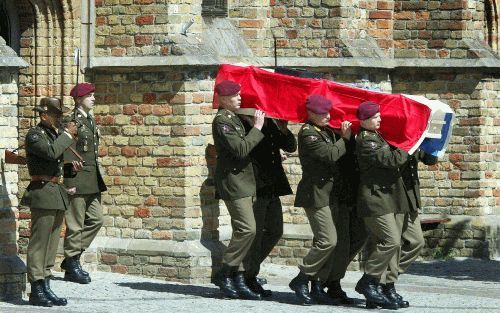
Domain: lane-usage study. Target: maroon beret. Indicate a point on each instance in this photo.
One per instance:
(227, 88)
(318, 104)
(81, 90)
(367, 109)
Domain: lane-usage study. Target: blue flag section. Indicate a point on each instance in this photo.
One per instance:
(437, 146)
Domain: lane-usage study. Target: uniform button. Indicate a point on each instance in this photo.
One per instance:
(272, 162)
(234, 169)
(272, 152)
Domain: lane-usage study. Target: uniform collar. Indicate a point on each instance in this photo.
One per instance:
(82, 112)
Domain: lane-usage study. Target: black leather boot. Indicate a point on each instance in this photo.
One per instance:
(261, 280)
(319, 295)
(241, 287)
(254, 285)
(390, 292)
(370, 288)
(225, 282)
(38, 296)
(300, 284)
(51, 295)
(77, 257)
(73, 272)
(335, 292)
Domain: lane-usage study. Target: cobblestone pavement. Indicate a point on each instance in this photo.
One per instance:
(459, 285)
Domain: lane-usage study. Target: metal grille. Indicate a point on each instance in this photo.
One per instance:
(214, 8)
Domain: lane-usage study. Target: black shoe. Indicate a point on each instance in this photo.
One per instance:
(241, 287)
(370, 288)
(77, 259)
(300, 284)
(51, 295)
(389, 291)
(73, 272)
(319, 295)
(336, 293)
(254, 285)
(262, 281)
(225, 282)
(38, 296)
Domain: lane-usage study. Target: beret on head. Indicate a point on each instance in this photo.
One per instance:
(81, 90)
(367, 109)
(227, 88)
(318, 104)
(50, 105)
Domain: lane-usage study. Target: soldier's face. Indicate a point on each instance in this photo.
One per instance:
(87, 102)
(372, 123)
(319, 119)
(51, 119)
(231, 103)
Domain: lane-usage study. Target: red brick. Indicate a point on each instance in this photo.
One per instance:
(103, 151)
(422, 15)
(118, 52)
(107, 258)
(165, 50)
(144, 151)
(143, 40)
(455, 175)
(149, 98)
(121, 181)
(453, 5)
(315, 23)
(101, 20)
(380, 15)
(142, 212)
(198, 98)
(137, 120)
(379, 33)
(405, 15)
(291, 34)
(151, 201)
(129, 109)
(128, 171)
(145, 20)
(161, 110)
(384, 24)
(251, 24)
(444, 53)
(129, 151)
(385, 5)
(126, 41)
(172, 162)
(122, 269)
(145, 109)
(277, 12)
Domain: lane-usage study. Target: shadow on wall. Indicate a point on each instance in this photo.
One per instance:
(210, 212)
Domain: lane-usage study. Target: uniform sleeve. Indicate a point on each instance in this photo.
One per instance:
(374, 152)
(39, 146)
(319, 149)
(239, 146)
(427, 159)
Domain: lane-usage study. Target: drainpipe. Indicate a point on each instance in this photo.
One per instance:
(87, 34)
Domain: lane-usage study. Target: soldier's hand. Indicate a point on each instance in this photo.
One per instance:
(283, 155)
(71, 128)
(71, 191)
(77, 166)
(258, 119)
(346, 130)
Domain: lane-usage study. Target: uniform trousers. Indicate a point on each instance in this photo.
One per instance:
(244, 230)
(269, 229)
(351, 237)
(412, 243)
(317, 262)
(44, 240)
(84, 219)
(384, 243)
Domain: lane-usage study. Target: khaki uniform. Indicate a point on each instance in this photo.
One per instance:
(412, 238)
(317, 193)
(235, 181)
(84, 217)
(47, 199)
(381, 199)
(271, 183)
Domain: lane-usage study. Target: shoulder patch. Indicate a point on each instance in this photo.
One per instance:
(34, 137)
(311, 138)
(305, 126)
(225, 128)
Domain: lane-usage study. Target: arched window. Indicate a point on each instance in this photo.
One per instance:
(4, 22)
(214, 8)
(491, 24)
(9, 24)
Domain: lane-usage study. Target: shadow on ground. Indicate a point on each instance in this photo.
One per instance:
(457, 269)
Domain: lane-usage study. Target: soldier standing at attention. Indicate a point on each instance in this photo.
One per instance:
(46, 197)
(319, 150)
(235, 184)
(381, 202)
(271, 183)
(412, 238)
(84, 217)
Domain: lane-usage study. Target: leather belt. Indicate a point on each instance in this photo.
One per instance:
(52, 179)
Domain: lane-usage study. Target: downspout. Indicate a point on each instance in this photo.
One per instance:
(87, 34)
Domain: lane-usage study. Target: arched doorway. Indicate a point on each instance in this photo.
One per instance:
(9, 24)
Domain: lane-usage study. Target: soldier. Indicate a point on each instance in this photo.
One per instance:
(381, 202)
(84, 217)
(412, 238)
(271, 183)
(319, 150)
(235, 184)
(46, 197)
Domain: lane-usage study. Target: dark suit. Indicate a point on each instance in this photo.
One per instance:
(47, 199)
(381, 199)
(235, 181)
(84, 218)
(271, 183)
(318, 190)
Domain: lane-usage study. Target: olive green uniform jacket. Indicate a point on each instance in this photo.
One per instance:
(234, 176)
(409, 173)
(89, 179)
(381, 189)
(44, 153)
(319, 151)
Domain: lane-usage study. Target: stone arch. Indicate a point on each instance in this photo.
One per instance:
(491, 24)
